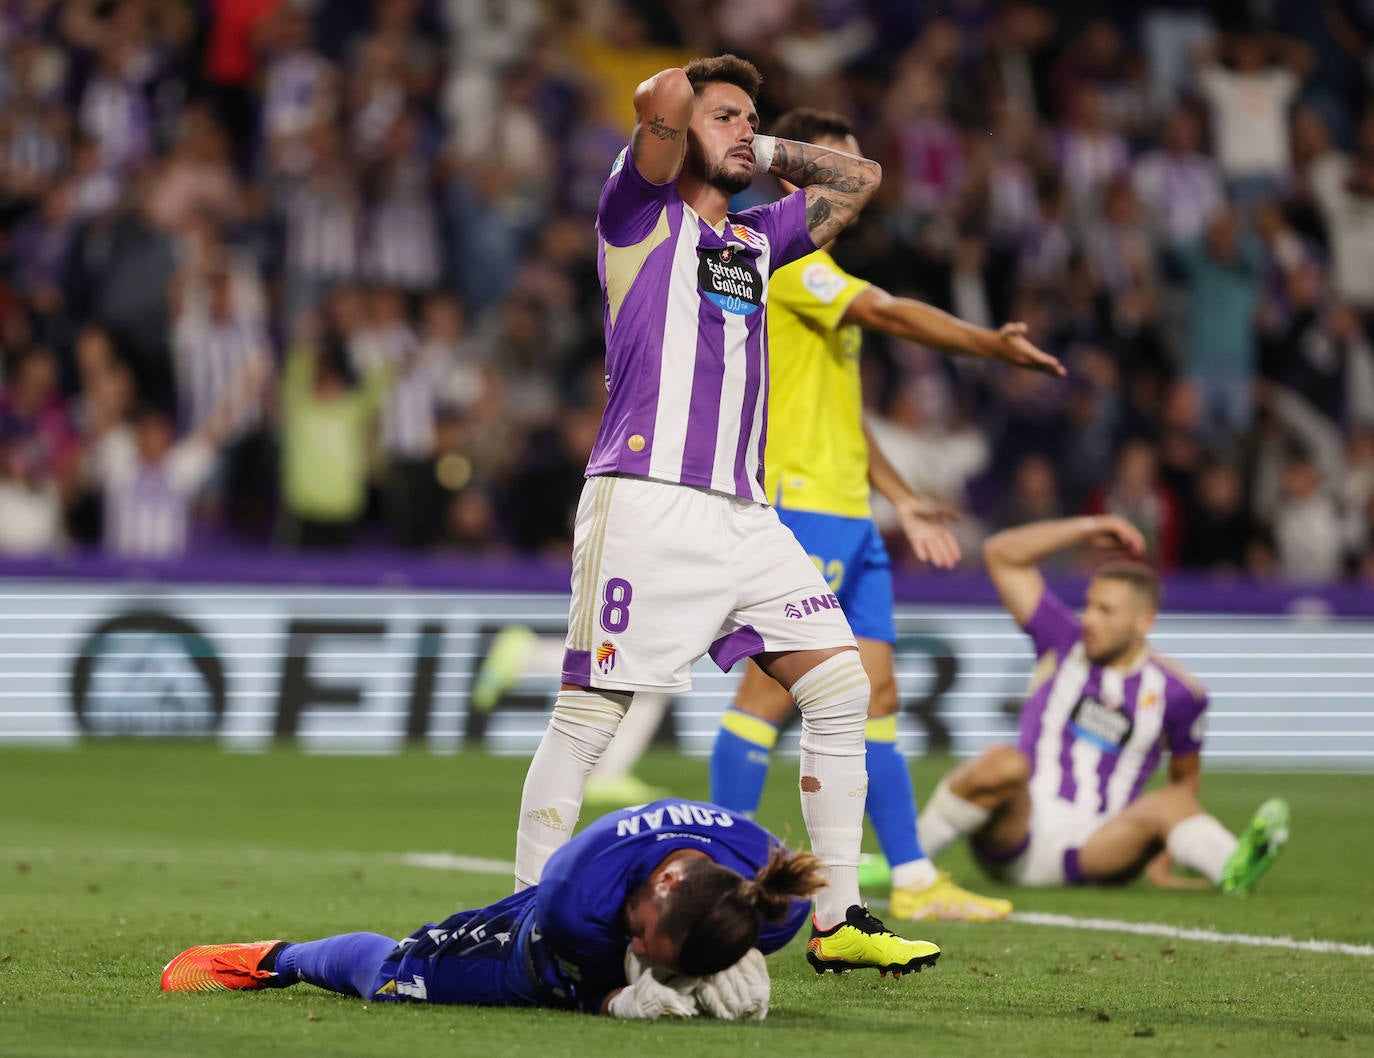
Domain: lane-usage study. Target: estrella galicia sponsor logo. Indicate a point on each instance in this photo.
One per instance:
(148, 673)
(729, 280)
(802, 608)
(1105, 727)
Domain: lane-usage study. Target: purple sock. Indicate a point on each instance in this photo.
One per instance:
(347, 963)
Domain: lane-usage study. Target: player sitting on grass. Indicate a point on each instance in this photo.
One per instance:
(1064, 804)
(688, 887)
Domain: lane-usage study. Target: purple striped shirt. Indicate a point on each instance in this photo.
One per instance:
(686, 342)
(1095, 735)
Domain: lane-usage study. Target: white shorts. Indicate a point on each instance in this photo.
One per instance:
(664, 573)
(1049, 854)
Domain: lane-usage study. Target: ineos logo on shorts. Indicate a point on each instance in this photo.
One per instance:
(809, 605)
(730, 280)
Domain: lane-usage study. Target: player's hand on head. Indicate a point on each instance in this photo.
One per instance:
(1112, 533)
(1022, 352)
(740, 991)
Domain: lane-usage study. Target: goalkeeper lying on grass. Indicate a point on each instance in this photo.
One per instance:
(684, 889)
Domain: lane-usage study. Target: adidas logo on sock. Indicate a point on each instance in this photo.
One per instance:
(548, 817)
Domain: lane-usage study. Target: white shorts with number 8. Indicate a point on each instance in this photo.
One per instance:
(665, 573)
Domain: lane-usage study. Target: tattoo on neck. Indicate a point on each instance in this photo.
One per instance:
(661, 130)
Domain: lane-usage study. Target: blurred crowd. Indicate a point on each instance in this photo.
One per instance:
(322, 274)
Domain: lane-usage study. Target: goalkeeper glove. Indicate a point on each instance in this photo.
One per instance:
(740, 991)
(650, 998)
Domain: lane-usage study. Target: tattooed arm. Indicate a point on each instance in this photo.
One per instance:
(663, 109)
(838, 184)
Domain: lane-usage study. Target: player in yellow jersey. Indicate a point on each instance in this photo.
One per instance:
(819, 464)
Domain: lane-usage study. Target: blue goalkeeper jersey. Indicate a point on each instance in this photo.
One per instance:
(585, 884)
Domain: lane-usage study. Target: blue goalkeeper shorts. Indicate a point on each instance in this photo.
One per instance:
(853, 559)
(488, 957)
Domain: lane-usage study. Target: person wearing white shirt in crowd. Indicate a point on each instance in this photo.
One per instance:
(1249, 101)
(1179, 186)
(30, 507)
(150, 479)
(1343, 186)
(936, 460)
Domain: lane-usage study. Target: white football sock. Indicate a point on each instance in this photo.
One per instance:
(580, 729)
(916, 875)
(833, 699)
(946, 818)
(632, 738)
(1202, 844)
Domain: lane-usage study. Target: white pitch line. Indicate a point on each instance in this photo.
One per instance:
(1159, 929)
(447, 861)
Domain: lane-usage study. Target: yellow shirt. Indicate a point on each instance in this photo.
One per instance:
(816, 459)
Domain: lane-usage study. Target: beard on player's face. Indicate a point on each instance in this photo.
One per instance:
(722, 174)
(1106, 654)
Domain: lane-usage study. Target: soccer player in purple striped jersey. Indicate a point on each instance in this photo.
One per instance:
(1065, 806)
(676, 552)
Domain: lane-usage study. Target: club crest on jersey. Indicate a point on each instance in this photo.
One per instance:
(747, 236)
(605, 657)
(729, 280)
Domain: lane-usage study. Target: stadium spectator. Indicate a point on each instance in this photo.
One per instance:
(1089, 153)
(323, 223)
(30, 506)
(1221, 275)
(1138, 496)
(1343, 187)
(326, 418)
(1179, 186)
(1308, 533)
(196, 179)
(1219, 528)
(938, 457)
(401, 247)
(1249, 100)
(459, 147)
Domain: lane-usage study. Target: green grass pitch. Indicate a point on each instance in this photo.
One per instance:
(115, 857)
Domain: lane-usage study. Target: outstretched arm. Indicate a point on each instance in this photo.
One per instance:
(838, 184)
(663, 110)
(877, 310)
(1011, 555)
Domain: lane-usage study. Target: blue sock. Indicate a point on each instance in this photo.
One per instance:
(739, 761)
(891, 803)
(347, 963)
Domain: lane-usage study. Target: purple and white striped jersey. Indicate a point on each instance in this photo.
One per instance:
(686, 341)
(1095, 735)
